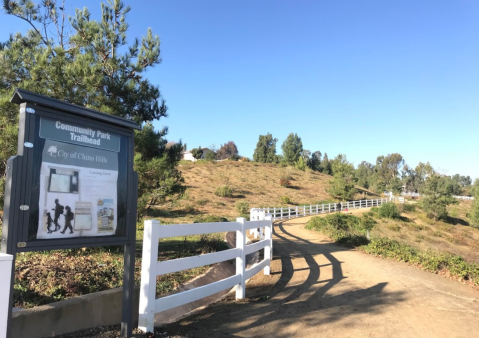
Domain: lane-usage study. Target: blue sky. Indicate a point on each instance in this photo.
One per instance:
(363, 78)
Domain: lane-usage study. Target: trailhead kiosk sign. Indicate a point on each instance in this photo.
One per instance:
(71, 184)
(78, 181)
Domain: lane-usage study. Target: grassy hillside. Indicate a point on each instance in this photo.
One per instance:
(255, 183)
(453, 235)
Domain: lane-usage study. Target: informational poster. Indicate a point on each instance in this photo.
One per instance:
(78, 181)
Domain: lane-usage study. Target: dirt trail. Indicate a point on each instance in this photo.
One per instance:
(318, 289)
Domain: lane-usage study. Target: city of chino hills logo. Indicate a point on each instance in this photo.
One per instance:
(52, 150)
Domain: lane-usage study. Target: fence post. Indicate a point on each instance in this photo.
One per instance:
(296, 211)
(289, 212)
(151, 234)
(322, 208)
(6, 262)
(240, 261)
(348, 205)
(268, 250)
(304, 210)
(274, 213)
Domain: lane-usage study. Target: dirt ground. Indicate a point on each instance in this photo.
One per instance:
(319, 289)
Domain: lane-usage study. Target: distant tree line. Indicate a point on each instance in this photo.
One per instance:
(389, 173)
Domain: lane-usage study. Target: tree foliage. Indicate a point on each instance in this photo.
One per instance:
(364, 174)
(326, 165)
(314, 162)
(474, 214)
(438, 195)
(292, 148)
(265, 150)
(88, 63)
(227, 150)
(197, 153)
(342, 184)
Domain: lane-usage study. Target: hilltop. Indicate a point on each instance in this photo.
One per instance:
(255, 183)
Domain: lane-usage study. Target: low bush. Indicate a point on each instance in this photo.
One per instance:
(284, 182)
(284, 200)
(342, 228)
(242, 207)
(202, 202)
(224, 191)
(389, 210)
(409, 207)
(427, 260)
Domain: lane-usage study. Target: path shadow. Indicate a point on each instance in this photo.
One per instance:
(456, 221)
(285, 304)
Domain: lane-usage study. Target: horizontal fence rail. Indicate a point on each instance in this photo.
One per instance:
(151, 267)
(416, 194)
(308, 210)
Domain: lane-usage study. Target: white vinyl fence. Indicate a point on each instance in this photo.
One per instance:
(416, 194)
(151, 268)
(6, 273)
(307, 210)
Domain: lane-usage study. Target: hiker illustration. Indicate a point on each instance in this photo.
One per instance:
(49, 222)
(58, 211)
(68, 220)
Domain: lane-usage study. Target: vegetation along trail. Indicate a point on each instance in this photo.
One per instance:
(319, 289)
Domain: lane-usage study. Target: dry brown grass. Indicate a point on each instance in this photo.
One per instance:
(454, 236)
(255, 183)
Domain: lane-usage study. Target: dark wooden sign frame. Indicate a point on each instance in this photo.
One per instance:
(22, 211)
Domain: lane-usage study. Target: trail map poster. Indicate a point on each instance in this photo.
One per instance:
(78, 181)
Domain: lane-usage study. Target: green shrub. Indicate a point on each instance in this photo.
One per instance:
(242, 207)
(367, 223)
(389, 210)
(409, 207)
(284, 183)
(342, 228)
(474, 214)
(285, 200)
(300, 164)
(202, 202)
(325, 202)
(224, 191)
(427, 260)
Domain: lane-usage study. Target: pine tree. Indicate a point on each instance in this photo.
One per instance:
(292, 148)
(438, 196)
(326, 165)
(342, 184)
(265, 150)
(87, 63)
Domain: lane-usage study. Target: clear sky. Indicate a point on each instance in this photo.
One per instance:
(363, 78)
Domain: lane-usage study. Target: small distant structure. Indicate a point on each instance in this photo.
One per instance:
(188, 156)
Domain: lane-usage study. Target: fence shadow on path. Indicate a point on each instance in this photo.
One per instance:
(310, 301)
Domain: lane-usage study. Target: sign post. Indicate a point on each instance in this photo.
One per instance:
(71, 185)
